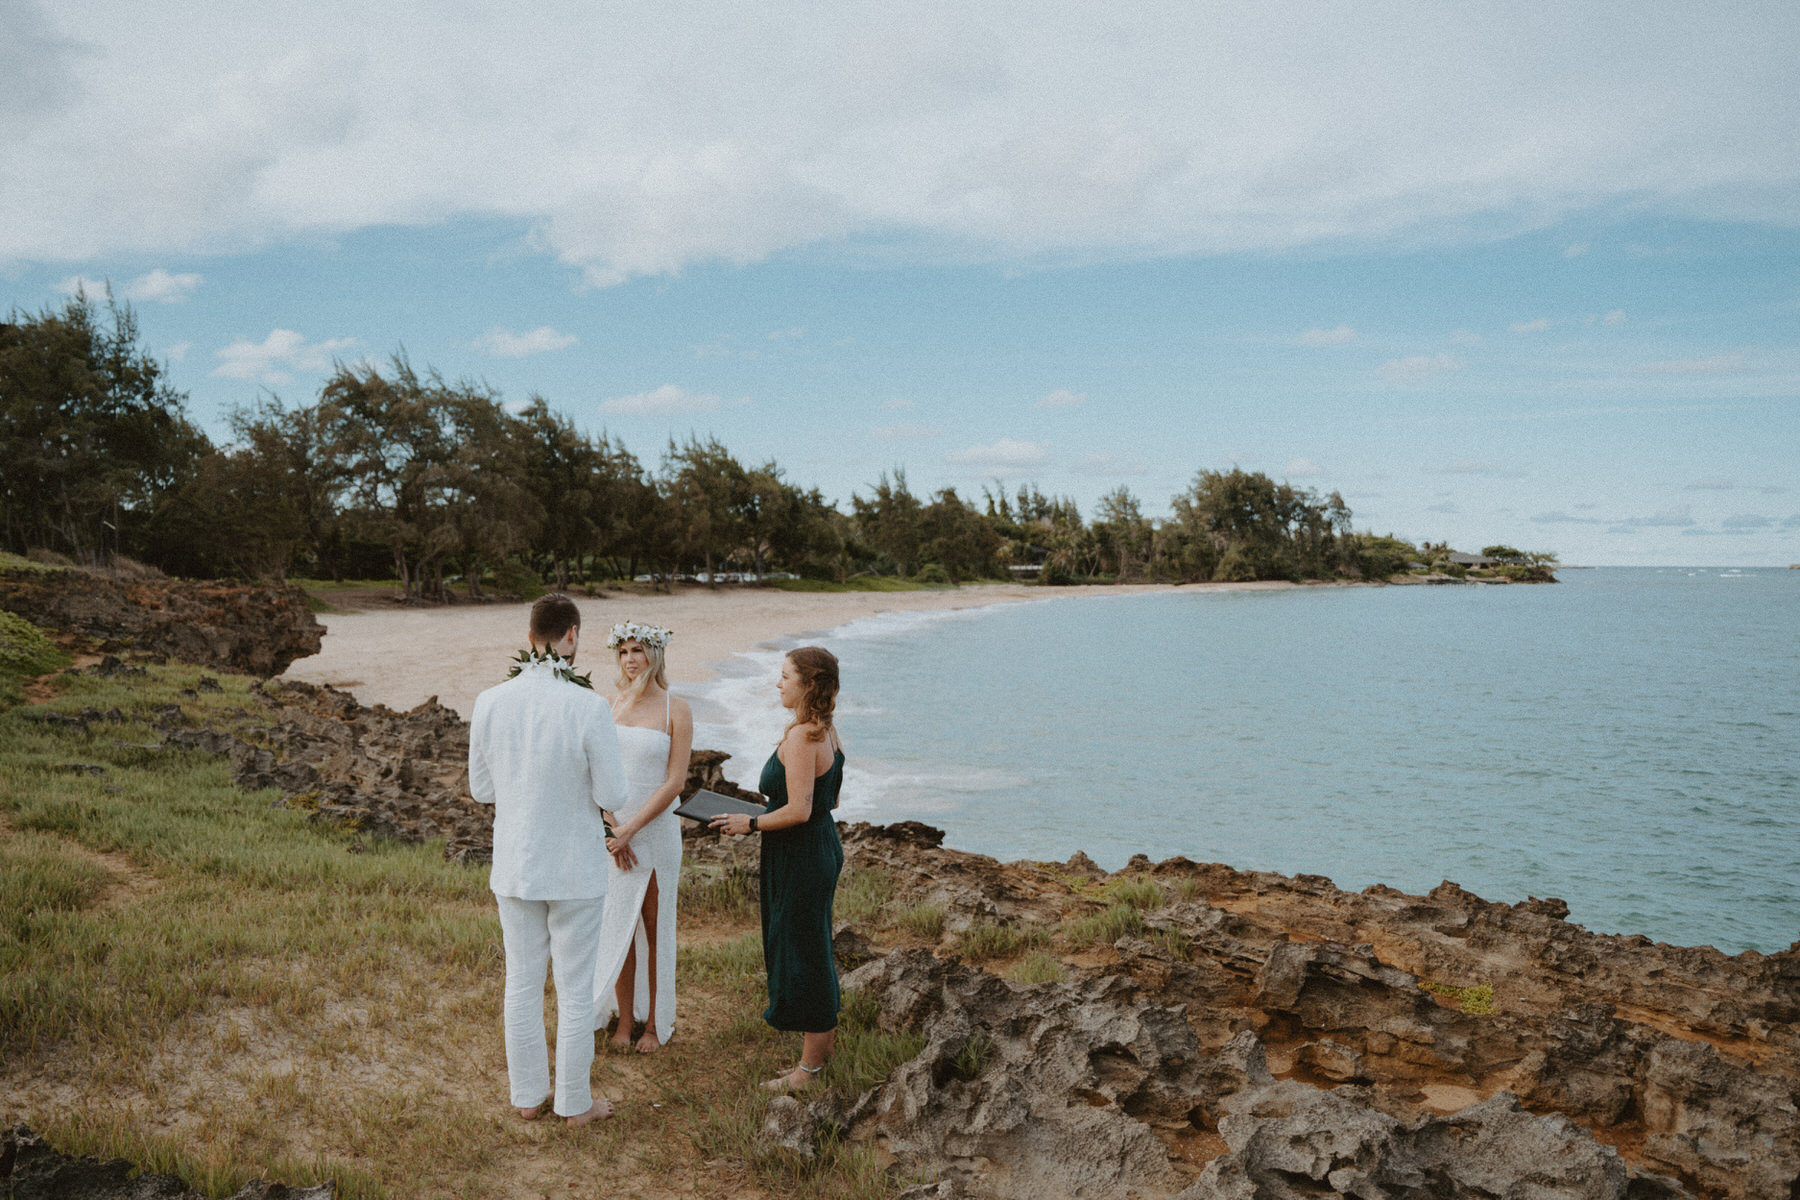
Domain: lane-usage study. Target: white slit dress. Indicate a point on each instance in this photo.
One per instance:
(658, 845)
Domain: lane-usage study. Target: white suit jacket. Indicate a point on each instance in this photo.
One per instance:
(544, 753)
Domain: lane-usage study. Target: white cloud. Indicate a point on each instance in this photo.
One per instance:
(1718, 364)
(1005, 454)
(1563, 518)
(277, 357)
(665, 401)
(504, 343)
(788, 335)
(178, 352)
(1576, 250)
(153, 287)
(1303, 468)
(649, 139)
(1615, 317)
(1416, 368)
(161, 287)
(897, 404)
(1536, 326)
(1343, 335)
(904, 431)
(1063, 398)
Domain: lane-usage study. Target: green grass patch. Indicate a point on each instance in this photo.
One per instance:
(983, 941)
(25, 653)
(860, 583)
(1040, 966)
(717, 889)
(735, 964)
(1141, 894)
(1477, 1001)
(1105, 927)
(972, 1056)
(861, 896)
(922, 920)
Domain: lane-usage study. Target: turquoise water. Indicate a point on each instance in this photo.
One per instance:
(1628, 740)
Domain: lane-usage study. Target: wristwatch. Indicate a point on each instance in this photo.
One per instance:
(752, 824)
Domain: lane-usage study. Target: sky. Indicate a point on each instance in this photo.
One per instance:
(1495, 273)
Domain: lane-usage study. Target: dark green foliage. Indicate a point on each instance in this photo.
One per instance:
(91, 436)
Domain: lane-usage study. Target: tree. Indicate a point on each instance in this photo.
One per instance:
(92, 438)
(1123, 533)
(709, 490)
(957, 537)
(890, 521)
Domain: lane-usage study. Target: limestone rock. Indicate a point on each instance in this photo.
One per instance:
(251, 628)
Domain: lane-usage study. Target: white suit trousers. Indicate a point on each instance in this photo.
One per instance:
(564, 934)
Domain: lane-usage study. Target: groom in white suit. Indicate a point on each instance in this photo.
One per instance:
(543, 752)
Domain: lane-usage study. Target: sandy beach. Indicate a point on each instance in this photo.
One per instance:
(401, 657)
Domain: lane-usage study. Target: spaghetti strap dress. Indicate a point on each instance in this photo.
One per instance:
(800, 867)
(658, 846)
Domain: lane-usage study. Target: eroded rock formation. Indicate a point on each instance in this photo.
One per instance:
(1244, 1035)
(31, 1170)
(255, 629)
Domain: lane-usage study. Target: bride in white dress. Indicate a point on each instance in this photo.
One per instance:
(634, 975)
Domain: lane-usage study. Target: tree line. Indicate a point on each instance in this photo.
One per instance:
(396, 473)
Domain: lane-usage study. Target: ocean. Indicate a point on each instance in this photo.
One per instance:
(1627, 740)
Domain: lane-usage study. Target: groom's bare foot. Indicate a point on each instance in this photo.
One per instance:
(602, 1109)
(649, 1043)
(533, 1113)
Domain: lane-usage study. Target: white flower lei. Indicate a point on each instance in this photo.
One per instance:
(561, 667)
(631, 631)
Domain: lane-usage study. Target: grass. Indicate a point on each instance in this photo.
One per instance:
(983, 941)
(718, 890)
(862, 896)
(1477, 1001)
(1141, 894)
(857, 583)
(207, 984)
(924, 920)
(1105, 927)
(1040, 966)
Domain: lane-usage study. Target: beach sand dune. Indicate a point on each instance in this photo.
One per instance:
(401, 657)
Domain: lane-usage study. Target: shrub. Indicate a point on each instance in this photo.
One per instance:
(1138, 893)
(932, 573)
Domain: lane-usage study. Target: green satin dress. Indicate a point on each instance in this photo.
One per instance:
(800, 867)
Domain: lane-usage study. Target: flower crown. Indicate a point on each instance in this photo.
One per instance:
(631, 631)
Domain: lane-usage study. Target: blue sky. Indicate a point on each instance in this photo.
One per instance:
(1494, 276)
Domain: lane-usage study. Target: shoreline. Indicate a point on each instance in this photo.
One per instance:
(402, 657)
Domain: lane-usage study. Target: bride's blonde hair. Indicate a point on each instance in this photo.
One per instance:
(630, 689)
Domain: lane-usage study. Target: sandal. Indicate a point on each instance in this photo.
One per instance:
(785, 1082)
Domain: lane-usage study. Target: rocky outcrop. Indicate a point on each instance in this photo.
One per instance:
(1233, 1034)
(31, 1170)
(254, 629)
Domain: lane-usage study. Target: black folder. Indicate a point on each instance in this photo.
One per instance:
(704, 806)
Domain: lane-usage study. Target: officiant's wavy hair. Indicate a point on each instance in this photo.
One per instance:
(818, 671)
(552, 616)
(630, 689)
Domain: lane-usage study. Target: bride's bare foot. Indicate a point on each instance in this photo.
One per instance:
(602, 1108)
(649, 1043)
(620, 1042)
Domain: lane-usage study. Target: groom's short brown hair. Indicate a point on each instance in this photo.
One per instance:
(553, 616)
